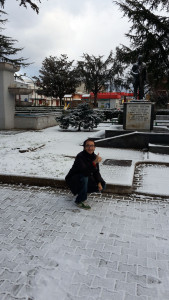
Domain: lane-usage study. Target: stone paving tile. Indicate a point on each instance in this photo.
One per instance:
(50, 249)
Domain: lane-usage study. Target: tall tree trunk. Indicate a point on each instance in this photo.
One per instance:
(95, 100)
(79, 129)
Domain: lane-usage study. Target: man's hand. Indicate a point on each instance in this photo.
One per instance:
(100, 187)
(97, 159)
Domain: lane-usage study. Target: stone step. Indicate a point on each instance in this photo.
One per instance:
(157, 148)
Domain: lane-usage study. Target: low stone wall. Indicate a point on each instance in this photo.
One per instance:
(134, 140)
(113, 133)
(34, 122)
(162, 117)
(163, 149)
(33, 180)
(57, 183)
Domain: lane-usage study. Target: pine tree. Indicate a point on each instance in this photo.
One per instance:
(155, 4)
(58, 77)
(96, 73)
(148, 36)
(80, 117)
(7, 49)
(24, 3)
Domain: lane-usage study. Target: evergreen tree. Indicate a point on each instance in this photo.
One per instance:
(155, 4)
(58, 77)
(80, 117)
(7, 49)
(96, 73)
(23, 3)
(148, 36)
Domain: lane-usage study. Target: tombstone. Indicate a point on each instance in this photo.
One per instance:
(138, 116)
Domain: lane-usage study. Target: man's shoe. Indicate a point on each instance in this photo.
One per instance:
(82, 205)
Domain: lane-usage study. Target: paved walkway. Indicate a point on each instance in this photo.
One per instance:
(49, 249)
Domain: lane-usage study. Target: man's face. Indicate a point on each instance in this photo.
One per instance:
(89, 147)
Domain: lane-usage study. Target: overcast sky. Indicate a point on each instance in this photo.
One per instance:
(71, 27)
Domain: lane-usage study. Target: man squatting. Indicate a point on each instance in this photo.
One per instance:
(84, 176)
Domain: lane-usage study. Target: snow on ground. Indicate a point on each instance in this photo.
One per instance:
(154, 178)
(56, 152)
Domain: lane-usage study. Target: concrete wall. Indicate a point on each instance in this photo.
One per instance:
(7, 100)
(135, 140)
(35, 122)
(112, 133)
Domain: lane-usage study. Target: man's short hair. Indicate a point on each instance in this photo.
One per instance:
(88, 140)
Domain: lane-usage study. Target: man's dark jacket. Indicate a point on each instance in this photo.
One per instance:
(83, 164)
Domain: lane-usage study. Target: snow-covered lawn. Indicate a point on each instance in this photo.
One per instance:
(55, 152)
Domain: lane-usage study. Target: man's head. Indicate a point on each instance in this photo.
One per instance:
(89, 146)
(140, 59)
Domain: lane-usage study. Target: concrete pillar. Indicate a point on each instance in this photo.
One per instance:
(7, 100)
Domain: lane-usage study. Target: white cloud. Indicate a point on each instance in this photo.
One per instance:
(69, 27)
